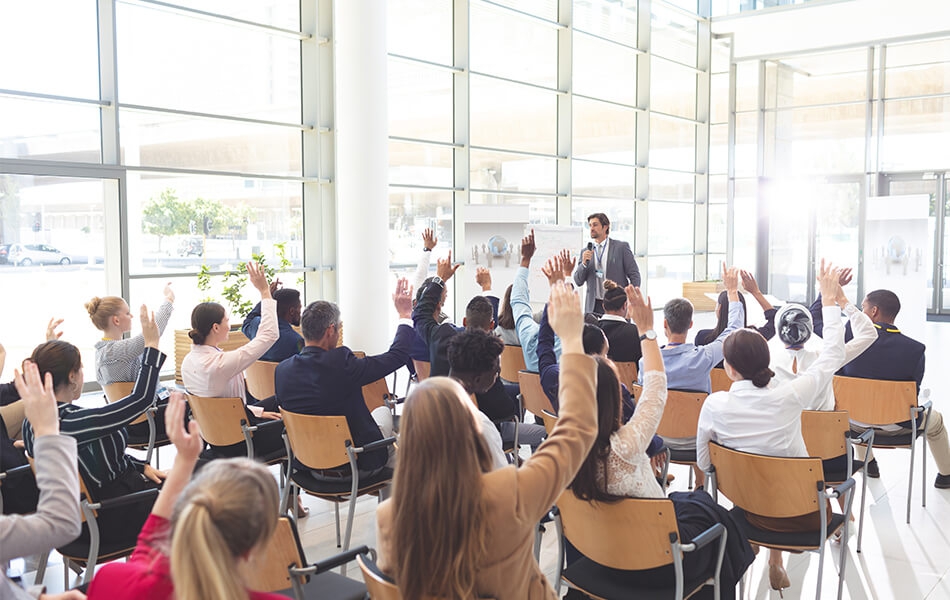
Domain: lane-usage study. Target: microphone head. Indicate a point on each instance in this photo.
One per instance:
(590, 245)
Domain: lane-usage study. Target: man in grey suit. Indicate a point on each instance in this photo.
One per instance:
(604, 258)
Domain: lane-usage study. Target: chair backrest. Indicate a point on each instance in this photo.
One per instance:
(627, 371)
(825, 432)
(219, 419)
(378, 585)
(375, 394)
(601, 531)
(681, 415)
(260, 379)
(267, 570)
(719, 381)
(550, 420)
(512, 361)
(875, 401)
(532, 394)
(117, 391)
(768, 486)
(422, 369)
(319, 442)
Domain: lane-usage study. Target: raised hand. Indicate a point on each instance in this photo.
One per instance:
(568, 262)
(483, 278)
(188, 440)
(566, 317)
(639, 308)
(39, 401)
(255, 272)
(845, 277)
(552, 270)
(274, 286)
(749, 282)
(527, 249)
(402, 298)
(168, 292)
(445, 269)
(149, 328)
(429, 240)
(828, 277)
(51, 333)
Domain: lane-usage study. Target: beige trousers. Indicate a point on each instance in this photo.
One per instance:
(937, 438)
(13, 415)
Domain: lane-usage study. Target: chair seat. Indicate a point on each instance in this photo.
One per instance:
(683, 456)
(795, 539)
(883, 439)
(310, 484)
(330, 585)
(836, 476)
(608, 583)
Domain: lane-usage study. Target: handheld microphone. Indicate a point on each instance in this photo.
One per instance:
(590, 247)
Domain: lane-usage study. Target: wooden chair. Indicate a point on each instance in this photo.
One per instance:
(550, 420)
(512, 361)
(260, 379)
(223, 422)
(378, 394)
(878, 403)
(628, 372)
(281, 567)
(680, 420)
(422, 369)
(533, 398)
(781, 487)
(719, 381)
(121, 389)
(322, 443)
(827, 436)
(379, 585)
(602, 533)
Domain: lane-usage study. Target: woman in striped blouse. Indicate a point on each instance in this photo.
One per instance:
(100, 431)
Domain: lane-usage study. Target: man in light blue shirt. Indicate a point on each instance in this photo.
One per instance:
(688, 366)
(525, 324)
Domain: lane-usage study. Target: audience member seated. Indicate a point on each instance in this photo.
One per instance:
(506, 321)
(209, 372)
(618, 466)
(456, 528)
(106, 469)
(326, 379)
(525, 324)
(762, 419)
(288, 341)
(57, 520)
(198, 532)
(707, 336)
(895, 357)
(624, 337)
(474, 361)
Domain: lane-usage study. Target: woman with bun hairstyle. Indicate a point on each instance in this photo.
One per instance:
(212, 373)
(119, 359)
(199, 532)
(755, 417)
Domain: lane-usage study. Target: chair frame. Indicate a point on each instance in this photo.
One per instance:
(121, 389)
(380, 586)
(315, 438)
(879, 402)
(780, 487)
(827, 435)
(601, 532)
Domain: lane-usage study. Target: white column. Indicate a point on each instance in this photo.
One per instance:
(362, 157)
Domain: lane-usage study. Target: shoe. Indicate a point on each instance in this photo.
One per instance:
(871, 469)
(778, 579)
(942, 482)
(302, 511)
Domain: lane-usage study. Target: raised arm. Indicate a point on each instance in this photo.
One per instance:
(423, 315)
(188, 445)
(369, 369)
(713, 350)
(862, 328)
(230, 363)
(429, 242)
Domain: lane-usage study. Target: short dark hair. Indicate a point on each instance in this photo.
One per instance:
(604, 221)
(287, 300)
(594, 339)
(317, 318)
(479, 313)
(747, 352)
(474, 351)
(678, 313)
(203, 318)
(886, 302)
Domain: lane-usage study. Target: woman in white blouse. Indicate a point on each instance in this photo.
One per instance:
(211, 372)
(762, 419)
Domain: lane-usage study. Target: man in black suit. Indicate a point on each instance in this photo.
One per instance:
(622, 335)
(895, 357)
(327, 380)
(604, 258)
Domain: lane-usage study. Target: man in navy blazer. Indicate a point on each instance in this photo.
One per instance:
(895, 357)
(604, 258)
(327, 380)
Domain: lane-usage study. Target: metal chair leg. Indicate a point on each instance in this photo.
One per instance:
(43, 559)
(910, 479)
(336, 505)
(864, 491)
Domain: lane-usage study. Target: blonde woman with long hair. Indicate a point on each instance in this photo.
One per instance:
(198, 532)
(455, 529)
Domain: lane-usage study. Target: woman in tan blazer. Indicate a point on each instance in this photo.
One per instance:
(455, 529)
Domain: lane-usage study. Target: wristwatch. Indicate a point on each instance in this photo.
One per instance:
(438, 280)
(649, 334)
(425, 249)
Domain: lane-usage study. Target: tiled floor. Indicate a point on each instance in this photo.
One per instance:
(900, 561)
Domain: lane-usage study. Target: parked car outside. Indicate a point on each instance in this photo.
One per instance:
(24, 255)
(4, 251)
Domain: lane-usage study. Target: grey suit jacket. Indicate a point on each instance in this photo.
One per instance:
(621, 268)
